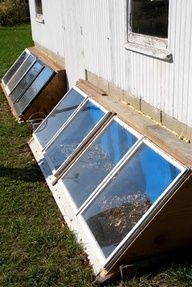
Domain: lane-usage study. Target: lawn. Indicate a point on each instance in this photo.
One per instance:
(36, 247)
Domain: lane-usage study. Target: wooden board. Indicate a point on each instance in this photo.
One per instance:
(46, 59)
(159, 135)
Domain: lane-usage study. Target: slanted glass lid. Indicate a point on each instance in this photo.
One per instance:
(97, 161)
(73, 134)
(127, 196)
(60, 114)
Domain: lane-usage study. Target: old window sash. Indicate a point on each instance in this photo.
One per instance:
(26, 81)
(74, 214)
(16, 65)
(105, 260)
(52, 146)
(21, 72)
(59, 117)
(42, 79)
(153, 46)
(79, 211)
(78, 207)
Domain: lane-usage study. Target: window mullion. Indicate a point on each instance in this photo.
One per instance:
(108, 178)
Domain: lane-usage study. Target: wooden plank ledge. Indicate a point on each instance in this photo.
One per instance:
(46, 59)
(159, 135)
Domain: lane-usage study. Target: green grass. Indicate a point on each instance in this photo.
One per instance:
(12, 41)
(36, 247)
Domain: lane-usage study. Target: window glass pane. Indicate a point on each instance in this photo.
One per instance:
(26, 81)
(38, 6)
(20, 72)
(58, 117)
(127, 197)
(14, 68)
(97, 161)
(74, 133)
(33, 90)
(150, 17)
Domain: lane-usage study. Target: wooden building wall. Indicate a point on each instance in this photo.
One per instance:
(90, 35)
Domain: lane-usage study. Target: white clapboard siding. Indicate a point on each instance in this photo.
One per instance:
(91, 34)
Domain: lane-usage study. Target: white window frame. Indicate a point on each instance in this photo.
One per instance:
(74, 218)
(7, 89)
(28, 85)
(56, 172)
(64, 124)
(25, 51)
(155, 47)
(18, 107)
(104, 261)
(90, 198)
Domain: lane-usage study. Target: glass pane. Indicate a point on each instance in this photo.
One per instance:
(150, 17)
(14, 68)
(38, 6)
(127, 197)
(58, 117)
(20, 72)
(26, 81)
(33, 90)
(97, 161)
(74, 133)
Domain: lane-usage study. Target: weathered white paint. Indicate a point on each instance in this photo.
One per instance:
(50, 33)
(91, 34)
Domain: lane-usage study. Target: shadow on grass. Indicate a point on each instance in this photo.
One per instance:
(167, 270)
(29, 174)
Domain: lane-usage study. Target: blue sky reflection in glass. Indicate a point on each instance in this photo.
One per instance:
(97, 161)
(73, 134)
(58, 116)
(127, 197)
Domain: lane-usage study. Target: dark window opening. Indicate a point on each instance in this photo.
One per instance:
(38, 7)
(150, 17)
